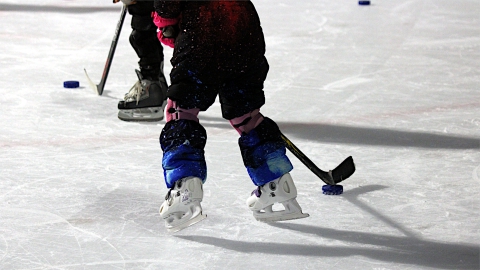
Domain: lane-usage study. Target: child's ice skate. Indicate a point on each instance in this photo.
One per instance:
(182, 204)
(145, 101)
(281, 190)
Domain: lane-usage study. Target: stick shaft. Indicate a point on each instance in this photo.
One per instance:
(113, 47)
(324, 176)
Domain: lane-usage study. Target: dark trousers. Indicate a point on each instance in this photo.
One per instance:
(144, 39)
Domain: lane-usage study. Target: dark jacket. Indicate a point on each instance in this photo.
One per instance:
(226, 32)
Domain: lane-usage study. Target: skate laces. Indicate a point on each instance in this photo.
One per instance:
(178, 185)
(169, 193)
(135, 93)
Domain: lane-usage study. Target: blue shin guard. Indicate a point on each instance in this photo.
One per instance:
(264, 153)
(183, 144)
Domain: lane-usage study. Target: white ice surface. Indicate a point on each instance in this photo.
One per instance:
(394, 84)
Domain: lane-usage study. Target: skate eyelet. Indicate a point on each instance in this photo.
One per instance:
(179, 183)
(272, 186)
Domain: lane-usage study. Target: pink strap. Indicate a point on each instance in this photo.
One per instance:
(162, 22)
(247, 122)
(172, 112)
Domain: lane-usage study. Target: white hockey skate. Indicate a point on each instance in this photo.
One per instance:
(182, 204)
(281, 190)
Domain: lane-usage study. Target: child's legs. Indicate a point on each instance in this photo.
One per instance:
(183, 142)
(244, 93)
(263, 150)
(264, 153)
(183, 138)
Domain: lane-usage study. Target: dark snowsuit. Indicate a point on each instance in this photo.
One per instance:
(219, 50)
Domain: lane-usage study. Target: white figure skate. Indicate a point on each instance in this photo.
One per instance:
(182, 204)
(281, 190)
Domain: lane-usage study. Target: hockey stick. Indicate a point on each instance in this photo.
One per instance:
(333, 177)
(99, 87)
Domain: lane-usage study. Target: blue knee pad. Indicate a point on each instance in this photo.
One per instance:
(264, 153)
(183, 143)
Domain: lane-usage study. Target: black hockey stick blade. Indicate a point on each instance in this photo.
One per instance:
(333, 177)
(343, 171)
(99, 87)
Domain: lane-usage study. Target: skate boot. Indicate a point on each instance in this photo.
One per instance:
(145, 101)
(182, 204)
(281, 190)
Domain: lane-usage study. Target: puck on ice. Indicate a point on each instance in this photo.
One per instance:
(364, 3)
(332, 189)
(71, 84)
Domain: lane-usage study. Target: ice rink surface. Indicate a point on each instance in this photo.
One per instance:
(394, 84)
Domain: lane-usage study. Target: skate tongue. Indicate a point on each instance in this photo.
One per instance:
(257, 192)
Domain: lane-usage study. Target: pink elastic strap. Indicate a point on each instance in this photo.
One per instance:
(162, 22)
(172, 112)
(243, 124)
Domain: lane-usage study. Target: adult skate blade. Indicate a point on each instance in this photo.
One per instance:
(189, 223)
(281, 217)
(151, 114)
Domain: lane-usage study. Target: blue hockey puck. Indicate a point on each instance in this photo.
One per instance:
(71, 84)
(332, 189)
(364, 3)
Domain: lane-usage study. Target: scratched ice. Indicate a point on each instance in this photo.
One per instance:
(394, 84)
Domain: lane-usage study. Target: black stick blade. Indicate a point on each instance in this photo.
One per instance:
(343, 171)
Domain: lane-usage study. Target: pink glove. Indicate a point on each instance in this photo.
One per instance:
(162, 24)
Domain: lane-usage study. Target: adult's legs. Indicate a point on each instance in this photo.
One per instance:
(147, 98)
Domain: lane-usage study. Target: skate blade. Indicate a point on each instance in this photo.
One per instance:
(188, 223)
(272, 217)
(151, 114)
